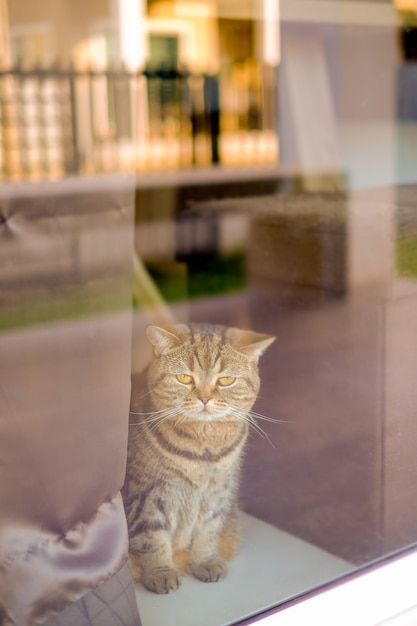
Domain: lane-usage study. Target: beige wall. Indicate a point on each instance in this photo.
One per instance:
(69, 21)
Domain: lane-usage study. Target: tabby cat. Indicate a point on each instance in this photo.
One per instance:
(186, 439)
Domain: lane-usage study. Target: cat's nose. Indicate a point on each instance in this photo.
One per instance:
(204, 399)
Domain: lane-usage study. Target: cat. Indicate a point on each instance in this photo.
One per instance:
(186, 440)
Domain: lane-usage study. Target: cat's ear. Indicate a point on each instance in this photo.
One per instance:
(249, 342)
(163, 339)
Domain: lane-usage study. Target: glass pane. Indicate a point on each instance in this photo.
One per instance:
(269, 151)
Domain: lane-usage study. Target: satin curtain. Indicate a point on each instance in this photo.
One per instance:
(65, 346)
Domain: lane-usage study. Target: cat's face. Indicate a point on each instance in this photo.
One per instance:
(206, 372)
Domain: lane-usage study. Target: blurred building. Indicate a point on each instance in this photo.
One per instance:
(109, 85)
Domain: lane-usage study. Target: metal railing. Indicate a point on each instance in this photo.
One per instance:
(56, 123)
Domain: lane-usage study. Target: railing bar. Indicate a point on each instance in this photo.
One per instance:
(21, 138)
(182, 123)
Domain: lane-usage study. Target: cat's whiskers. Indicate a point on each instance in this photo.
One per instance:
(244, 417)
(159, 423)
(180, 419)
(260, 416)
(155, 417)
(273, 420)
(164, 416)
(250, 418)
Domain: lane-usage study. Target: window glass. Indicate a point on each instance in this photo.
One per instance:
(244, 165)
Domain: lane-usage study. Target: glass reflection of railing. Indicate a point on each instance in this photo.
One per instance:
(56, 123)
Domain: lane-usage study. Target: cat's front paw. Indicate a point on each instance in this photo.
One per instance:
(161, 580)
(210, 571)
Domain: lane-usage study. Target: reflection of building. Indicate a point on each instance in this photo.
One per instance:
(200, 33)
(163, 120)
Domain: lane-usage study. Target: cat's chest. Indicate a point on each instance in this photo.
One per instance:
(208, 447)
(201, 486)
(212, 488)
(202, 476)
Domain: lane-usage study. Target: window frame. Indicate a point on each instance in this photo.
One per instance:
(379, 593)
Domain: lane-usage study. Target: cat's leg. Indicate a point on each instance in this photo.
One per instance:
(153, 553)
(206, 562)
(150, 541)
(229, 542)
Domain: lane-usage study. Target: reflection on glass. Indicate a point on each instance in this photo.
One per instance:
(169, 85)
(272, 151)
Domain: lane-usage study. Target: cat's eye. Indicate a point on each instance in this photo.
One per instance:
(185, 379)
(226, 381)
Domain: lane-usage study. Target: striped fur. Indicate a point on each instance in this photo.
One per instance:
(188, 429)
